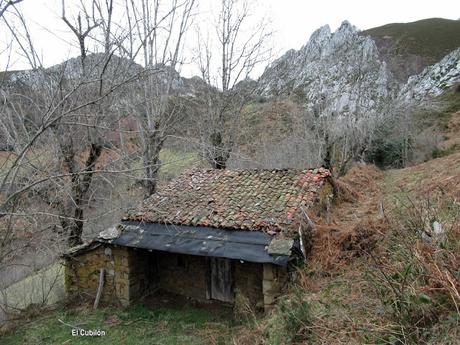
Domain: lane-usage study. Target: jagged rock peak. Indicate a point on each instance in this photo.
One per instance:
(346, 26)
(320, 35)
(344, 32)
(342, 67)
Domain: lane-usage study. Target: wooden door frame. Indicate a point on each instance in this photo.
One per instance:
(208, 277)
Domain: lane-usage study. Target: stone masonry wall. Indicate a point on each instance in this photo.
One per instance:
(275, 278)
(130, 274)
(125, 278)
(82, 274)
(183, 274)
(248, 282)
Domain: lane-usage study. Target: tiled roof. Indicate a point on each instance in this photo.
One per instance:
(267, 200)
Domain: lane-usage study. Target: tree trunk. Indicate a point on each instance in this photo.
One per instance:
(154, 144)
(75, 230)
(327, 161)
(80, 187)
(219, 154)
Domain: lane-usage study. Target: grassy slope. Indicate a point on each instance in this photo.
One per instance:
(431, 38)
(442, 121)
(345, 297)
(136, 325)
(410, 47)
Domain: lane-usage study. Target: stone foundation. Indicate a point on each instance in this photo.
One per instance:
(132, 274)
(126, 275)
(274, 279)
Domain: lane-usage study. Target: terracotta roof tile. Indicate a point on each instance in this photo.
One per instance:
(266, 200)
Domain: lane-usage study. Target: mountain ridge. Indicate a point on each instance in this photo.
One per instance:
(410, 47)
(347, 69)
(339, 72)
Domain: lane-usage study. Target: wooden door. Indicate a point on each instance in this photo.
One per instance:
(221, 283)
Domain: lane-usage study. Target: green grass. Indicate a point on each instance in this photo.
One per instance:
(44, 287)
(175, 162)
(133, 325)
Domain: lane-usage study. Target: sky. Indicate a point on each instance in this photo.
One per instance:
(292, 21)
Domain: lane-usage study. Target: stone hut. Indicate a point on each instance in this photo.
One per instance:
(208, 235)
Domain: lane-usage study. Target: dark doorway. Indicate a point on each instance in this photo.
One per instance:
(221, 283)
(152, 271)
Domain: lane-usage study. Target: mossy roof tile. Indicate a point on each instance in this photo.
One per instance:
(260, 200)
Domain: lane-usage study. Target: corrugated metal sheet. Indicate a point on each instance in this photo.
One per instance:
(204, 241)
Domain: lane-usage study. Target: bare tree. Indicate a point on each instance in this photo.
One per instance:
(156, 32)
(4, 4)
(65, 109)
(227, 54)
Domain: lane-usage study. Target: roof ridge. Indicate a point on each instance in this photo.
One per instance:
(191, 170)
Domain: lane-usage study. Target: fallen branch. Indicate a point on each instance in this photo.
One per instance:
(69, 325)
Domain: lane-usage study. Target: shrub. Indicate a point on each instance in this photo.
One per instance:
(387, 153)
(440, 152)
(290, 321)
(416, 274)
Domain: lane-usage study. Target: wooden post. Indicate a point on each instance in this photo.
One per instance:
(310, 223)
(99, 289)
(302, 244)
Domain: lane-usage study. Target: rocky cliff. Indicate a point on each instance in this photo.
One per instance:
(433, 80)
(339, 72)
(344, 72)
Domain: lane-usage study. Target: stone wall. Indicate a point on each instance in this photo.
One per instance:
(274, 280)
(82, 274)
(248, 282)
(183, 274)
(126, 275)
(131, 274)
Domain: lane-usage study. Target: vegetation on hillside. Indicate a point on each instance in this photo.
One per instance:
(430, 38)
(135, 326)
(410, 47)
(382, 272)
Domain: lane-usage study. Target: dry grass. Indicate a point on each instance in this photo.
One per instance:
(355, 225)
(372, 278)
(442, 174)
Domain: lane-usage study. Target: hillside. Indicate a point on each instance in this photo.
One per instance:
(345, 292)
(410, 47)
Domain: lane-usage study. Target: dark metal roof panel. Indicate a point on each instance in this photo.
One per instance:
(204, 241)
